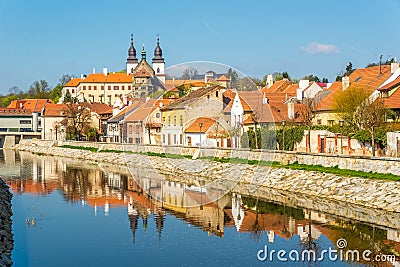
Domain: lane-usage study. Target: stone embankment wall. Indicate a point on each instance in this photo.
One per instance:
(6, 236)
(358, 163)
(375, 194)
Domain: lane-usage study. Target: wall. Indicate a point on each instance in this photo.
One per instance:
(6, 236)
(359, 163)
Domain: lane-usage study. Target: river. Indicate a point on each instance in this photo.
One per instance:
(75, 213)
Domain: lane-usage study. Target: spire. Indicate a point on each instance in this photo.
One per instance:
(143, 53)
(158, 52)
(132, 53)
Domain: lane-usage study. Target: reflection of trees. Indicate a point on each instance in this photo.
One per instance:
(362, 237)
(256, 229)
(310, 243)
(77, 184)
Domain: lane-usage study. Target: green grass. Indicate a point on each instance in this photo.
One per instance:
(92, 149)
(343, 172)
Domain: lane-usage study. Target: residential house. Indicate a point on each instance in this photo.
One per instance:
(116, 126)
(206, 131)
(370, 79)
(52, 117)
(204, 101)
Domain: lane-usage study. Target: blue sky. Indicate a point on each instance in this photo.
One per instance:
(44, 39)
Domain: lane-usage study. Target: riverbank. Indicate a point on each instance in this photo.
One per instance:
(375, 194)
(6, 236)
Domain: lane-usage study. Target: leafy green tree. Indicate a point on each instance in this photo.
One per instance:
(325, 80)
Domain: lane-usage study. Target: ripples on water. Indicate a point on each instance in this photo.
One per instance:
(69, 213)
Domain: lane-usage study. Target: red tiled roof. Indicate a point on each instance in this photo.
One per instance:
(393, 101)
(99, 108)
(141, 112)
(15, 112)
(110, 78)
(74, 82)
(391, 85)
(195, 126)
(56, 110)
(278, 86)
(35, 105)
(223, 78)
(193, 96)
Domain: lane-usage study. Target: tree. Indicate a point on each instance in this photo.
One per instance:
(361, 111)
(233, 76)
(78, 120)
(66, 78)
(189, 73)
(311, 77)
(349, 69)
(325, 80)
(307, 114)
(39, 89)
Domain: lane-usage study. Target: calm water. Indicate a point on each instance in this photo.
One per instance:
(88, 215)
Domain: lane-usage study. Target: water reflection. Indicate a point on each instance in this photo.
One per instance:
(149, 202)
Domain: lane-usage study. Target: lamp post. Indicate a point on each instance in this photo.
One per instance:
(200, 125)
(283, 134)
(341, 123)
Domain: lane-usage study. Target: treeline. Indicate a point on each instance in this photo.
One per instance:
(37, 90)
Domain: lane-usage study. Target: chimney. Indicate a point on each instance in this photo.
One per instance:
(393, 67)
(94, 70)
(345, 82)
(290, 107)
(105, 71)
(303, 84)
(270, 80)
(82, 76)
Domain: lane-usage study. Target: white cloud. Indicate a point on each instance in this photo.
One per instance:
(317, 48)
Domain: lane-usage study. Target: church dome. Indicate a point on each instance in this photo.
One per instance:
(158, 52)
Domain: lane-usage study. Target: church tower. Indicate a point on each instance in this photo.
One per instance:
(158, 62)
(132, 61)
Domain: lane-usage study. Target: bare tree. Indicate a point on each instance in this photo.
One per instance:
(307, 114)
(78, 120)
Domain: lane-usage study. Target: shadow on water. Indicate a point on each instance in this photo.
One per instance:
(293, 222)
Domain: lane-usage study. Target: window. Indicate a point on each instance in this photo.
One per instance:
(129, 87)
(137, 140)
(163, 138)
(102, 87)
(130, 130)
(181, 118)
(94, 87)
(174, 120)
(174, 139)
(84, 88)
(73, 91)
(319, 122)
(67, 90)
(163, 119)
(109, 87)
(137, 128)
(89, 87)
(116, 87)
(122, 87)
(158, 115)
(216, 93)
(158, 70)
(24, 122)
(208, 96)
(330, 122)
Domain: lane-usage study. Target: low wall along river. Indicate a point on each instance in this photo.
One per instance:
(368, 193)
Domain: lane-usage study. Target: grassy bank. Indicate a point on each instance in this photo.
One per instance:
(294, 166)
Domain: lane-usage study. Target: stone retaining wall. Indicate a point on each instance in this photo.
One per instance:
(372, 194)
(358, 163)
(6, 236)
